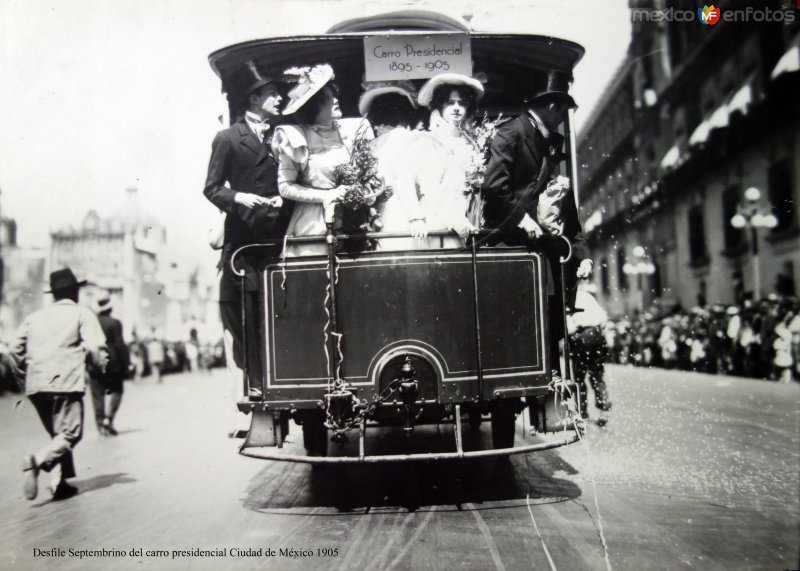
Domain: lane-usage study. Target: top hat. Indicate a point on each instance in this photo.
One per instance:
(64, 279)
(557, 87)
(309, 81)
(248, 78)
(375, 89)
(426, 91)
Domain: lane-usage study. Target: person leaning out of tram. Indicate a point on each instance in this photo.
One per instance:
(526, 199)
(309, 150)
(242, 182)
(390, 109)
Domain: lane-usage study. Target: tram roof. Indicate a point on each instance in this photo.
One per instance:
(531, 52)
(511, 63)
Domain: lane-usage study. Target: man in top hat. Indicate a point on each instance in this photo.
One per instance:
(51, 353)
(524, 158)
(107, 387)
(242, 182)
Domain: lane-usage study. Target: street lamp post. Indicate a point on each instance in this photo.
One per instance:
(640, 266)
(748, 215)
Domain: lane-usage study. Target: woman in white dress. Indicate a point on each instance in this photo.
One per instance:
(444, 196)
(308, 154)
(390, 109)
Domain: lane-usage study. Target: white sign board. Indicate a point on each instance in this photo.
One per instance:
(416, 56)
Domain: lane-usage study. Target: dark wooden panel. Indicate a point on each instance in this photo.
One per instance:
(420, 301)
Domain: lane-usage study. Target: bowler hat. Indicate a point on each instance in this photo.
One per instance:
(64, 279)
(556, 87)
(104, 304)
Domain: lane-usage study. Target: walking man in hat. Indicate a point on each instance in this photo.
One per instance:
(107, 388)
(51, 353)
(520, 177)
(243, 182)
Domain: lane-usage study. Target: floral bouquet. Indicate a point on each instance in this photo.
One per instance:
(365, 189)
(479, 134)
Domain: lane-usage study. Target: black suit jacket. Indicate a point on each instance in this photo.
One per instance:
(247, 165)
(520, 165)
(118, 357)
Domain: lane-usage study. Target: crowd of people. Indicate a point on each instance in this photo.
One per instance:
(753, 339)
(156, 357)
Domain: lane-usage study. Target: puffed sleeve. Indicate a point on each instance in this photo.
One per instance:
(289, 144)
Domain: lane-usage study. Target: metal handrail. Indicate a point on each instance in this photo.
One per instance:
(321, 238)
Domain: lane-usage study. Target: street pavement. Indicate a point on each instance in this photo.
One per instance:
(692, 472)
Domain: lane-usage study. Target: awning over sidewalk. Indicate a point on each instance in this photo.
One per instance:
(671, 158)
(789, 62)
(719, 119)
(741, 100)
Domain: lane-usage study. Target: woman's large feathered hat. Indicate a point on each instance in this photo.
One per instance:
(375, 89)
(426, 91)
(309, 81)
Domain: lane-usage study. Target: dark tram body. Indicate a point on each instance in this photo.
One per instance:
(354, 341)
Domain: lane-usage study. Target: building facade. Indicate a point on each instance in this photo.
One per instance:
(119, 254)
(696, 117)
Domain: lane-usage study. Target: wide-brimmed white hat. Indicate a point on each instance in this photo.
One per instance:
(426, 91)
(309, 81)
(375, 89)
